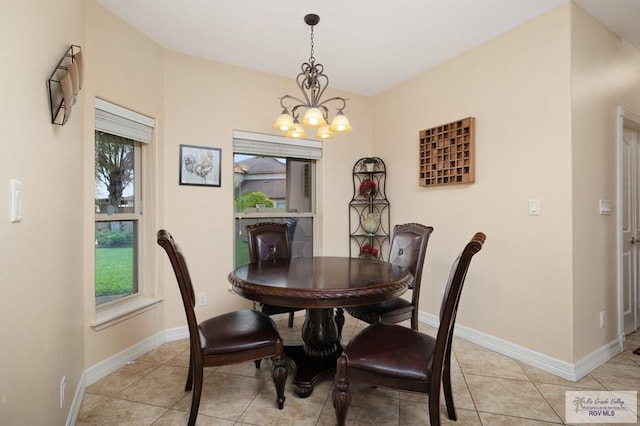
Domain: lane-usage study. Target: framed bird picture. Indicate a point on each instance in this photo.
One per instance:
(199, 165)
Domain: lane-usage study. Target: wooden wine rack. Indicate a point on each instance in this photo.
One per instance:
(447, 153)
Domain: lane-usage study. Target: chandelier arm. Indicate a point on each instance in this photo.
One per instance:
(302, 103)
(325, 112)
(300, 81)
(319, 88)
(294, 114)
(335, 98)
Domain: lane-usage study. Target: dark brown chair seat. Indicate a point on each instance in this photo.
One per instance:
(408, 249)
(392, 356)
(230, 338)
(242, 330)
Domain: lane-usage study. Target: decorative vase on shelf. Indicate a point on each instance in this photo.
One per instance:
(370, 222)
(370, 164)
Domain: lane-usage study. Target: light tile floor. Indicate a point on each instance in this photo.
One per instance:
(489, 389)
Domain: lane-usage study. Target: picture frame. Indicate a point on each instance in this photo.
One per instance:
(200, 165)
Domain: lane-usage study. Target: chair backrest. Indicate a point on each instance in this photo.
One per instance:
(408, 249)
(450, 301)
(179, 264)
(268, 241)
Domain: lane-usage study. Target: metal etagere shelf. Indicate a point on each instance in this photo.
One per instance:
(369, 210)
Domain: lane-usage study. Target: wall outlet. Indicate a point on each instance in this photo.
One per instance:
(63, 385)
(601, 319)
(202, 299)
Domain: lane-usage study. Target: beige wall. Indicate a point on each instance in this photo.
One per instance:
(544, 96)
(517, 87)
(41, 257)
(605, 75)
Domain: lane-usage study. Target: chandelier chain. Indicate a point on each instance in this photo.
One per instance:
(311, 58)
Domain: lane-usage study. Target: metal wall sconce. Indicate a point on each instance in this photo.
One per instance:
(64, 84)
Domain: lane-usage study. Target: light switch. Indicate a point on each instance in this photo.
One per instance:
(534, 207)
(605, 207)
(16, 200)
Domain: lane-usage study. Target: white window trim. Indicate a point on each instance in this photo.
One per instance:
(122, 311)
(119, 121)
(276, 146)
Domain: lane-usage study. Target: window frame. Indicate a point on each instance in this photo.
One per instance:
(120, 121)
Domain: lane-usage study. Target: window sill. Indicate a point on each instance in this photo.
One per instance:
(123, 311)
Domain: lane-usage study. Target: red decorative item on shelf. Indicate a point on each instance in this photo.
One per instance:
(367, 188)
(367, 251)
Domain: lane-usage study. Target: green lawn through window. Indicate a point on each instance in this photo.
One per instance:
(114, 271)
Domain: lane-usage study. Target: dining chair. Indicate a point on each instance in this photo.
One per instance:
(244, 335)
(392, 356)
(408, 249)
(270, 241)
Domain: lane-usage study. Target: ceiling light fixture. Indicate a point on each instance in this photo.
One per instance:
(312, 82)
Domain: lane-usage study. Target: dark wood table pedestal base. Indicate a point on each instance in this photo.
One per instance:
(316, 359)
(310, 370)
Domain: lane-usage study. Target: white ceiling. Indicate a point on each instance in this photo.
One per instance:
(365, 46)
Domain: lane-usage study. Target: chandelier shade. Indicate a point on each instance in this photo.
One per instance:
(340, 123)
(296, 132)
(312, 82)
(284, 121)
(325, 132)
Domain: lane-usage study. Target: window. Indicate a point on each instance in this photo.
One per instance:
(274, 181)
(119, 139)
(117, 204)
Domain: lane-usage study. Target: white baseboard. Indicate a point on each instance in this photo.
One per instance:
(111, 364)
(77, 401)
(563, 369)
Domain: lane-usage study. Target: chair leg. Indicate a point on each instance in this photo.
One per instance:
(414, 320)
(291, 319)
(434, 404)
(448, 391)
(279, 373)
(197, 393)
(189, 385)
(257, 362)
(339, 321)
(341, 391)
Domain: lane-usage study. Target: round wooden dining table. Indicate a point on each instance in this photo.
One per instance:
(319, 284)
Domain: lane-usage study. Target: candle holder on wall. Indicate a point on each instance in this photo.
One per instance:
(65, 82)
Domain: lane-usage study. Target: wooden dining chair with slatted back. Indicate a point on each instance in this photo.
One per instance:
(392, 356)
(408, 249)
(244, 335)
(270, 241)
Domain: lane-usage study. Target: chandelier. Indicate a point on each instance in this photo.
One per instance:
(312, 82)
